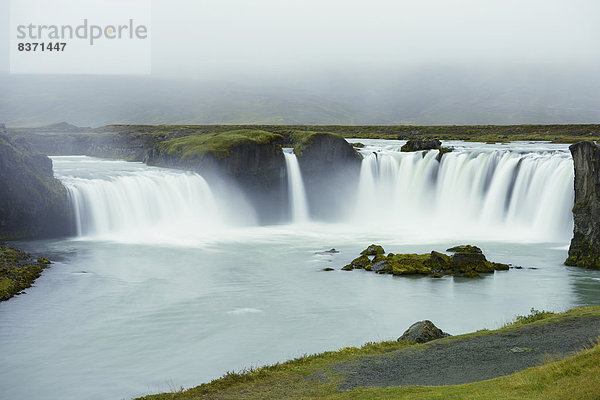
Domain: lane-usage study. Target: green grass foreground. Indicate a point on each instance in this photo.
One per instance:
(311, 377)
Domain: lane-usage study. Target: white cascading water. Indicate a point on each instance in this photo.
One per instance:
(475, 192)
(297, 194)
(471, 192)
(117, 199)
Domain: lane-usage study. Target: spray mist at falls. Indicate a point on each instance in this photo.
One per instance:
(479, 193)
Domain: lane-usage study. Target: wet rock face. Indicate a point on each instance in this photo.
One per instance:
(585, 245)
(32, 202)
(421, 144)
(422, 332)
(426, 145)
(330, 169)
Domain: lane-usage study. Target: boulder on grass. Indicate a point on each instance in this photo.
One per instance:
(422, 332)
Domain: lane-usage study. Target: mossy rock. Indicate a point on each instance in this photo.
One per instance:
(440, 261)
(373, 250)
(43, 260)
(381, 267)
(471, 274)
(485, 267)
(465, 248)
(442, 151)
(467, 261)
(407, 264)
(464, 262)
(328, 269)
(378, 257)
(502, 267)
(360, 262)
(421, 144)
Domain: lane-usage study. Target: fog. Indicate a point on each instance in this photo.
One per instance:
(333, 61)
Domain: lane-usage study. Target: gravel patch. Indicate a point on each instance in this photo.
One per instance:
(452, 362)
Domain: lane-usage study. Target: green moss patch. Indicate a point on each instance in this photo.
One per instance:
(373, 250)
(301, 140)
(219, 144)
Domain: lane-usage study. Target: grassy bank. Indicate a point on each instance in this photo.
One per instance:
(482, 133)
(18, 271)
(575, 377)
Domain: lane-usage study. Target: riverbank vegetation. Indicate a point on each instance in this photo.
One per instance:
(18, 271)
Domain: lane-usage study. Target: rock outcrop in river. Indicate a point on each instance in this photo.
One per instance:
(424, 144)
(585, 245)
(32, 202)
(467, 261)
(330, 168)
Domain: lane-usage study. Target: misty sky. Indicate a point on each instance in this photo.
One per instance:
(223, 38)
(318, 61)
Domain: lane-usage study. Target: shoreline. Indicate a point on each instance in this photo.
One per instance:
(18, 271)
(560, 345)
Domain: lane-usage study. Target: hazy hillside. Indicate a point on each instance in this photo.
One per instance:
(429, 96)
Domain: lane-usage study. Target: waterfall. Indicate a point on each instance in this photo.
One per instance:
(296, 192)
(474, 192)
(120, 199)
(471, 192)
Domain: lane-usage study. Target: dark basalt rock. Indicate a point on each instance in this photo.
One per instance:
(330, 168)
(440, 261)
(422, 332)
(465, 248)
(33, 203)
(379, 266)
(424, 145)
(585, 245)
(460, 259)
(358, 263)
(421, 144)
